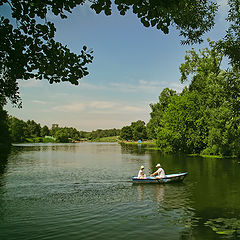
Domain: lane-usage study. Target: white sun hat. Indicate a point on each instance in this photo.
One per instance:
(158, 165)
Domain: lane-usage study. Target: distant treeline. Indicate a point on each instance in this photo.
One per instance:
(30, 131)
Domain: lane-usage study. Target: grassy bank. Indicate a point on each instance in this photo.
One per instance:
(106, 139)
(211, 156)
(152, 143)
(46, 139)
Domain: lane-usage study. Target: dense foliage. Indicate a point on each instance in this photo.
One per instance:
(100, 133)
(205, 117)
(230, 44)
(30, 131)
(157, 112)
(192, 18)
(28, 49)
(4, 133)
(136, 131)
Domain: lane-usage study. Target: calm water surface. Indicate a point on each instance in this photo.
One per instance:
(84, 191)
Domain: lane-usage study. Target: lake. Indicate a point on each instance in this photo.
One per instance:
(84, 191)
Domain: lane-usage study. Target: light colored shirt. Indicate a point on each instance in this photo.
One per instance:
(161, 173)
(140, 173)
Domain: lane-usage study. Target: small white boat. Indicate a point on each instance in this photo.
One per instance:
(177, 177)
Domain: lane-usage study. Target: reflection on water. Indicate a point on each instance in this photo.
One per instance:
(84, 191)
(4, 152)
(155, 192)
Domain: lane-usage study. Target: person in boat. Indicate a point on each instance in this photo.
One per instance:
(160, 173)
(141, 174)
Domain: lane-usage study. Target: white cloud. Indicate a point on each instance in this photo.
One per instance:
(39, 101)
(141, 85)
(132, 109)
(86, 106)
(90, 86)
(31, 83)
(101, 107)
(74, 107)
(148, 86)
(102, 104)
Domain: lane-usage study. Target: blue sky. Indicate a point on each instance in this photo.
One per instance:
(132, 65)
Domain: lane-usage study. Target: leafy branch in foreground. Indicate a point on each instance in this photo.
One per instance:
(192, 18)
(230, 44)
(28, 49)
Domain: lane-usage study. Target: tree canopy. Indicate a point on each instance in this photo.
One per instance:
(205, 117)
(230, 44)
(165, 13)
(136, 131)
(4, 136)
(28, 49)
(17, 130)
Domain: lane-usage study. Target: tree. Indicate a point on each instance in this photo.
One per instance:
(201, 64)
(139, 131)
(230, 44)
(45, 131)
(158, 110)
(54, 130)
(33, 128)
(219, 95)
(82, 134)
(18, 129)
(205, 117)
(224, 117)
(4, 136)
(73, 133)
(126, 133)
(62, 135)
(183, 125)
(28, 49)
(164, 13)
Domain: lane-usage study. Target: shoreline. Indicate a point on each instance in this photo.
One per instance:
(152, 145)
(138, 143)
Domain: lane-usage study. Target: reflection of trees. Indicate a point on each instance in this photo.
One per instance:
(176, 196)
(211, 184)
(210, 191)
(173, 202)
(66, 147)
(3, 159)
(134, 149)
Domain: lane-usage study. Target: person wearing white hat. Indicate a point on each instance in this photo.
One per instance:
(160, 173)
(141, 173)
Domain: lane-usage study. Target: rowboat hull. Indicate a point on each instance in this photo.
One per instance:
(170, 178)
